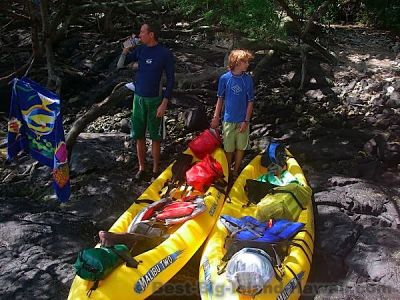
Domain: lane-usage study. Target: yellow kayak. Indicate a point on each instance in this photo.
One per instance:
(295, 265)
(161, 263)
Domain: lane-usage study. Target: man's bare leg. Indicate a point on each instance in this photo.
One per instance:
(141, 153)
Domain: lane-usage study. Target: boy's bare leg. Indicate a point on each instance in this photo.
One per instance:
(238, 160)
(229, 156)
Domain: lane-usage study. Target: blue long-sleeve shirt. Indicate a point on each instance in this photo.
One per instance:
(152, 62)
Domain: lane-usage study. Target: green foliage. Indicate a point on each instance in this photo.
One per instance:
(256, 18)
(384, 13)
(261, 18)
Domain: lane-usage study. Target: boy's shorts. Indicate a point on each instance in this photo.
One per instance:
(144, 117)
(233, 139)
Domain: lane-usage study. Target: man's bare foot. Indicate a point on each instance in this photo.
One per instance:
(109, 239)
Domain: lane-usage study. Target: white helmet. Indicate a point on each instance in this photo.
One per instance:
(249, 270)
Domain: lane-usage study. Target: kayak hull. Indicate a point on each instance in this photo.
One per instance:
(161, 263)
(296, 263)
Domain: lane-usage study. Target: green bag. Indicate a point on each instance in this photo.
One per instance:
(284, 202)
(285, 178)
(96, 263)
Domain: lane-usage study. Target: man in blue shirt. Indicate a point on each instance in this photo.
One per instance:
(150, 101)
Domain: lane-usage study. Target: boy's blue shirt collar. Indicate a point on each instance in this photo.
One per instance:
(241, 74)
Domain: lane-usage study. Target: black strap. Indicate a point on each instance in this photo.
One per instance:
(178, 169)
(221, 269)
(247, 226)
(302, 248)
(126, 257)
(297, 279)
(233, 225)
(305, 243)
(222, 186)
(309, 234)
(180, 166)
(288, 192)
(139, 201)
(278, 266)
(93, 288)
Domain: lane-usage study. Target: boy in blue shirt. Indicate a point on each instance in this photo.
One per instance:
(150, 102)
(235, 96)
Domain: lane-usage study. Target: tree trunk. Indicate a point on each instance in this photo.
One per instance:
(260, 67)
(34, 13)
(119, 92)
(303, 68)
(108, 25)
(187, 80)
(20, 71)
(53, 81)
(316, 15)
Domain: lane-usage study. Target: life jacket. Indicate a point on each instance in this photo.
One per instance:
(249, 228)
(204, 173)
(168, 211)
(205, 143)
(273, 237)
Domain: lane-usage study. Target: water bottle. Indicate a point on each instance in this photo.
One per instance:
(132, 41)
(135, 41)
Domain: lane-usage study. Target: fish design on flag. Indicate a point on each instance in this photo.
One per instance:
(39, 117)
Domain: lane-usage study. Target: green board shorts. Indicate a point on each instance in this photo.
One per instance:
(233, 139)
(144, 112)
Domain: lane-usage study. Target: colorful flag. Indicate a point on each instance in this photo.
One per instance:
(35, 126)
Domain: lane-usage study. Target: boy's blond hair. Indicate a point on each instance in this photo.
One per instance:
(237, 56)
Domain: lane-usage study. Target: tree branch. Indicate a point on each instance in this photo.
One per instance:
(315, 16)
(306, 38)
(119, 92)
(291, 14)
(58, 18)
(17, 15)
(146, 4)
(6, 79)
(184, 80)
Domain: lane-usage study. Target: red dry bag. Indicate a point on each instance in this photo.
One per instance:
(205, 143)
(204, 173)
